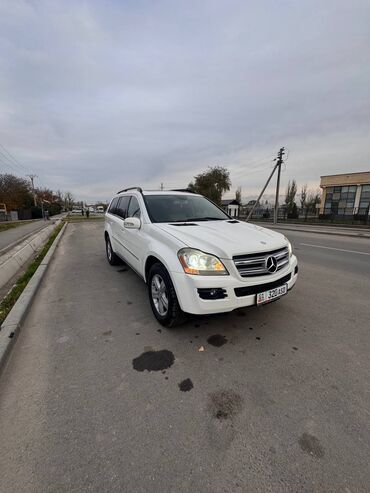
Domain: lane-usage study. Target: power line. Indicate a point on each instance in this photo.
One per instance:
(277, 166)
(12, 159)
(5, 163)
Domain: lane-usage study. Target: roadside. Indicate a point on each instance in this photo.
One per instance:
(323, 229)
(8, 301)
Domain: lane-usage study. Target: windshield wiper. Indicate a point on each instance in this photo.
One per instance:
(193, 219)
(206, 218)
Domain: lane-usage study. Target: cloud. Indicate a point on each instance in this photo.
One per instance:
(99, 94)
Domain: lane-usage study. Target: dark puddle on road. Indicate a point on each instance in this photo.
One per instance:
(217, 340)
(186, 385)
(154, 360)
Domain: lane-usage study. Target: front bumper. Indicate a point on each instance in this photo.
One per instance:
(187, 286)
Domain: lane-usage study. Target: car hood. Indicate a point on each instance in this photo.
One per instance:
(225, 239)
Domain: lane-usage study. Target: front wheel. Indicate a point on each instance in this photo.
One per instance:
(113, 259)
(162, 297)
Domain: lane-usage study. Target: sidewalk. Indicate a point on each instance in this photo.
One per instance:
(327, 230)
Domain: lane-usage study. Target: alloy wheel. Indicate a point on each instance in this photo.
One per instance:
(159, 295)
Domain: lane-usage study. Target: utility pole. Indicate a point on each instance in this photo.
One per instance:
(278, 165)
(32, 177)
(279, 161)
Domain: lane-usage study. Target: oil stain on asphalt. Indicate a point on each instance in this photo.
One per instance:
(186, 385)
(217, 340)
(224, 404)
(154, 360)
(311, 445)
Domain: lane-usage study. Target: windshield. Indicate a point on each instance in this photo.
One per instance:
(182, 208)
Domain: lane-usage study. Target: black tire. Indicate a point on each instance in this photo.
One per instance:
(112, 258)
(173, 315)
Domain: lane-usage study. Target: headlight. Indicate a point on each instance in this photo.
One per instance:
(290, 248)
(201, 264)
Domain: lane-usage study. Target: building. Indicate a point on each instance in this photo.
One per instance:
(231, 207)
(347, 194)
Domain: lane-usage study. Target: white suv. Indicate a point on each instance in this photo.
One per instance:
(193, 256)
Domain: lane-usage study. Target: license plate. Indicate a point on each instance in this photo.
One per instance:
(271, 294)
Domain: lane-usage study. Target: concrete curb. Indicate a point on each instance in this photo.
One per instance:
(358, 234)
(12, 324)
(12, 261)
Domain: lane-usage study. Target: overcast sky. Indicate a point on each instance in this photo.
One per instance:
(100, 95)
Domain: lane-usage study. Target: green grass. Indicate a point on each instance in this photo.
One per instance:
(8, 302)
(10, 225)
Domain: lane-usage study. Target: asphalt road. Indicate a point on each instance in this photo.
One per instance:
(282, 406)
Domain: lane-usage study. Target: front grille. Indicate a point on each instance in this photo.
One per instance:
(254, 264)
(259, 288)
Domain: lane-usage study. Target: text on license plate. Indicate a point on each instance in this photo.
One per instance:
(271, 294)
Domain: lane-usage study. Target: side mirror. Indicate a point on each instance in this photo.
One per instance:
(132, 223)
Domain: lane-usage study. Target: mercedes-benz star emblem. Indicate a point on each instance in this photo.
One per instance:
(271, 264)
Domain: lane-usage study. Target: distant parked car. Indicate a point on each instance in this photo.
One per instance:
(100, 209)
(76, 212)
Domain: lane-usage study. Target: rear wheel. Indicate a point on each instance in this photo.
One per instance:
(113, 259)
(162, 297)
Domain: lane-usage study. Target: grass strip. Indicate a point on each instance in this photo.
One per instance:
(78, 219)
(8, 302)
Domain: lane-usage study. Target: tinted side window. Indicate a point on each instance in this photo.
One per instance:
(121, 208)
(113, 205)
(134, 208)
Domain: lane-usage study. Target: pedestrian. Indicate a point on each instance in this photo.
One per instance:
(87, 213)
(47, 215)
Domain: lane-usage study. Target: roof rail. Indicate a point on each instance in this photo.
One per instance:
(183, 190)
(131, 188)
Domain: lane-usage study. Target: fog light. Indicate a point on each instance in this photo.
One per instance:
(212, 293)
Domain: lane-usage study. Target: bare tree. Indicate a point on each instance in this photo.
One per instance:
(68, 200)
(238, 194)
(313, 198)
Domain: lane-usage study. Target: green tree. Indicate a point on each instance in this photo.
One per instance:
(212, 183)
(15, 192)
(291, 206)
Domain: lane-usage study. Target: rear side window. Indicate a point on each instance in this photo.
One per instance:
(134, 208)
(113, 205)
(122, 205)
